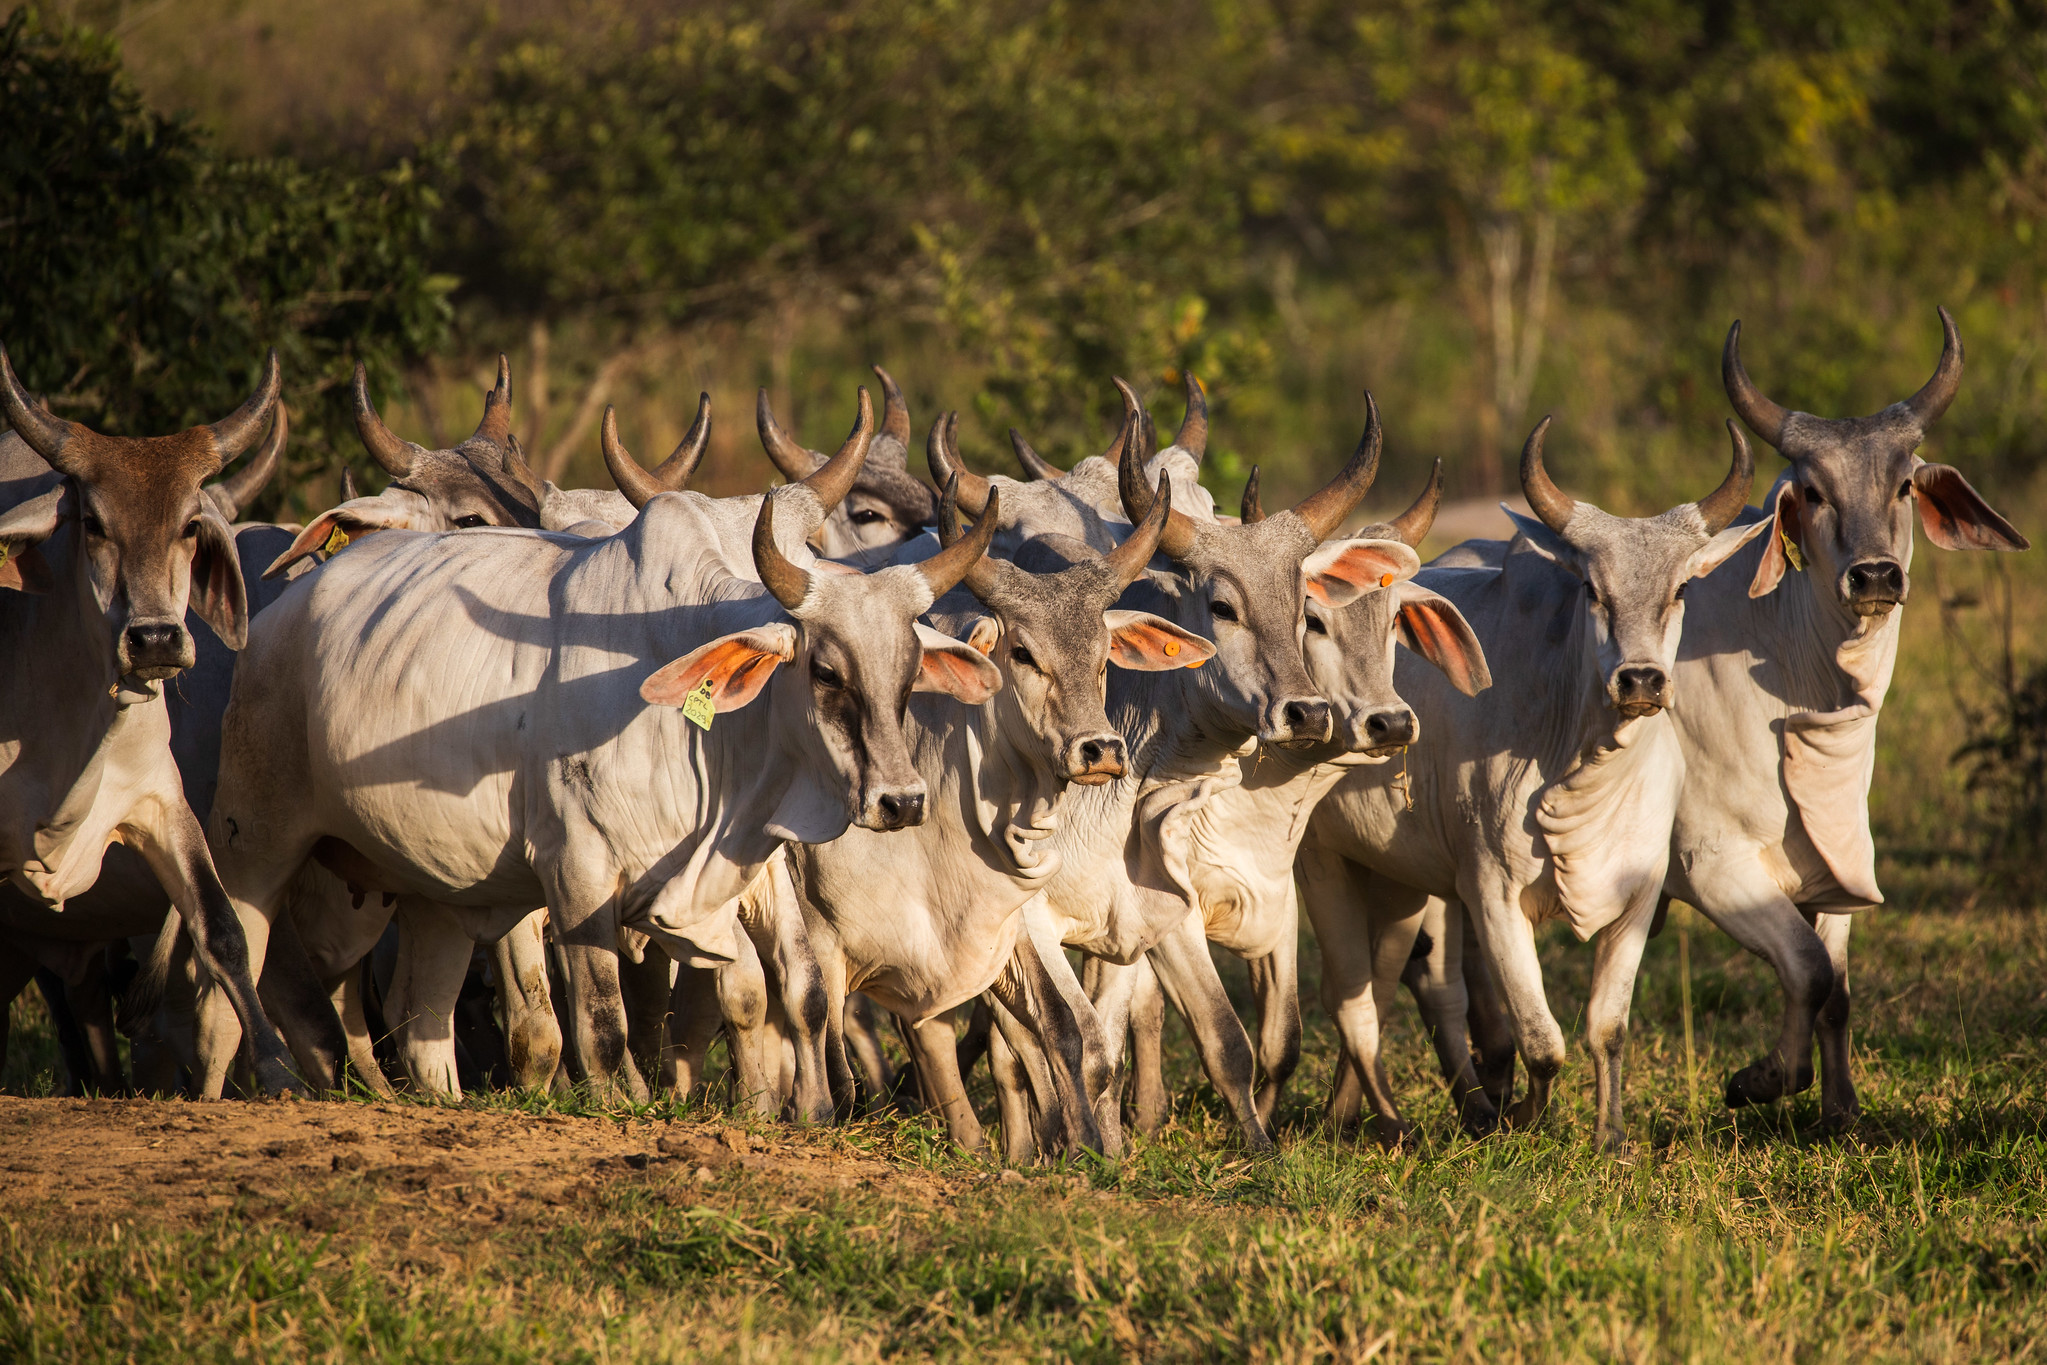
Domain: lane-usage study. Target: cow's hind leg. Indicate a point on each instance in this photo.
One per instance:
(1342, 904)
(533, 1036)
(1276, 984)
(1616, 958)
(944, 1093)
(434, 950)
(1187, 972)
(1439, 973)
(1149, 1098)
(1742, 901)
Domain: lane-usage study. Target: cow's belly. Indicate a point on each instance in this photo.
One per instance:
(461, 850)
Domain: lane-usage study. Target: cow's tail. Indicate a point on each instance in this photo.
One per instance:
(145, 992)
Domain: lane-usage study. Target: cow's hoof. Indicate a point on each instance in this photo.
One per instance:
(1256, 1141)
(1756, 1083)
(1523, 1114)
(1479, 1119)
(1839, 1117)
(1395, 1135)
(277, 1079)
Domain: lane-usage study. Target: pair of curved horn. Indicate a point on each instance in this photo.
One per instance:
(234, 493)
(1717, 509)
(1766, 417)
(1325, 509)
(1036, 466)
(49, 435)
(1412, 526)
(672, 476)
(396, 455)
(1177, 536)
(942, 453)
(941, 573)
(833, 479)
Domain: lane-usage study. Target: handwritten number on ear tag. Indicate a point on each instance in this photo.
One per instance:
(697, 707)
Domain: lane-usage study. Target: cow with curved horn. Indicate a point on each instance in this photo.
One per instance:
(1083, 502)
(1551, 794)
(1243, 840)
(927, 921)
(886, 505)
(483, 748)
(1118, 899)
(105, 542)
(1787, 662)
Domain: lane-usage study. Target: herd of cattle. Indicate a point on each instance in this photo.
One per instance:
(480, 777)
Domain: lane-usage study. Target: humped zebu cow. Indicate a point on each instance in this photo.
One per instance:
(104, 543)
(569, 722)
(925, 921)
(70, 945)
(1549, 795)
(1242, 843)
(1124, 887)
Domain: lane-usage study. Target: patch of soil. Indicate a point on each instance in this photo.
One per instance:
(442, 1174)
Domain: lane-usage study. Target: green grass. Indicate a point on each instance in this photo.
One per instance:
(1742, 1236)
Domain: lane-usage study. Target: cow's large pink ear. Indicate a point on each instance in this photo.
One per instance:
(334, 529)
(1339, 572)
(1955, 515)
(1786, 529)
(1146, 643)
(955, 668)
(218, 593)
(1432, 626)
(737, 667)
(23, 529)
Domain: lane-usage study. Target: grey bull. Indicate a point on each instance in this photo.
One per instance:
(623, 730)
(104, 544)
(1550, 795)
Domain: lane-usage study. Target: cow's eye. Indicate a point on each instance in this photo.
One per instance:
(1222, 611)
(867, 516)
(1679, 595)
(1019, 655)
(470, 522)
(826, 675)
(93, 525)
(1316, 627)
(1904, 490)
(1592, 593)
(1812, 495)
(192, 529)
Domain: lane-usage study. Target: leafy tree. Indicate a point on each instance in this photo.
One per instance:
(147, 274)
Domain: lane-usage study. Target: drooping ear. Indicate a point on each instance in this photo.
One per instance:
(1784, 525)
(1546, 542)
(1430, 625)
(1721, 548)
(352, 521)
(1955, 515)
(983, 634)
(1145, 643)
(955, 668)
(23, 529)
(218, 593)
(737, 666)
(1339, 572)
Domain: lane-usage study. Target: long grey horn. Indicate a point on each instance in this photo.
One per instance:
(640, 486)
(945, 570)
(895, 413)
(795, 462)
(1325, 509)
(1720, 507)
(1934, 396)
(1193, 435)
(237, 431)
(234, 493)
(1548, 501)
(786, 581)
(1036, 466)
(1129, 559)
(981, 577)
(1251, 511)
(1178, 537)
(833, 480)
(942, 453)
(497, 408)
(1415, 523)
(383, 444)
(1764, 418)
(46, 435)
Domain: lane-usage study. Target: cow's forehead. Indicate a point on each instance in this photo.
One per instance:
(155, 463)
(1849, 447)
(1630, 547)
(861, 605)
(1262, 553)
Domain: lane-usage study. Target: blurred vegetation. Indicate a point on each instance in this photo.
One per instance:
(1483, 210)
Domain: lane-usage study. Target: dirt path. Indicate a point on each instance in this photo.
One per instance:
(329, 1167)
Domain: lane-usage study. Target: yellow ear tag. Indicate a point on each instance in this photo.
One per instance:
(1385, 580)
(3, 554)
(697, 708)
(1172, 648)
(336, 542)
(1791, 551)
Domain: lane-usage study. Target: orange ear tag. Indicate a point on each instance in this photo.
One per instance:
(1172, 648)
(1385, 580)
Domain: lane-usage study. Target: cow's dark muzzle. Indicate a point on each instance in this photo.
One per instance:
(1871, 587)
(1640, 690)
(155, 650)
(899, 810)
(1384, 732)
(1095, 760)
(1297, 723)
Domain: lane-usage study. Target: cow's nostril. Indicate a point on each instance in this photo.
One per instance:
(1389, 727)
(1090, 753)
(1877, 578)
(902, 809)
(152, 640)
(1307, 719)
(1640, 682)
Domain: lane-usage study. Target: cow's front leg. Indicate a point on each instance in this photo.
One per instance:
(1276, 985)
(1187, 973)
(1012, 1095)
(533, 1035)
(646, 982)
(230, 938)
(1616, 959)
(783, 939)
(1746, 905)
(596, 1006)
(1366, 927)
(1439, 971)
(944, 1093)
(754, 1048)
(1839, 1108)
(1150, 1101)
(434, 950)
(1508, 942)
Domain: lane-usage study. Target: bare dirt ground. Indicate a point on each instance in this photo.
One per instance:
(324, 1165)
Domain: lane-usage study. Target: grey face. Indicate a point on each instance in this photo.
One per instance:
(484, 481)
(1635, 569)
(887, 504)
(1856, 483)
